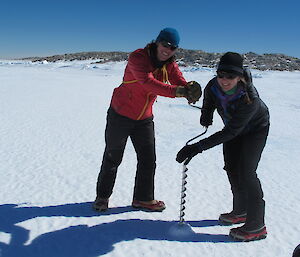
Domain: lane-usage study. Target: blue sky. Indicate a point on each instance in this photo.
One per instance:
(48, 27)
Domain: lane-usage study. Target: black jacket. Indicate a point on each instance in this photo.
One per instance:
(245, 114)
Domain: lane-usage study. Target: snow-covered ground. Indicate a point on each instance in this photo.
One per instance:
(51, 144)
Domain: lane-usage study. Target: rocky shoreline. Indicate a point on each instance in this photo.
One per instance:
(186, 57)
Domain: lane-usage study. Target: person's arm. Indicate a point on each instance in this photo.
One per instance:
(208, 106)
(231, 130)
(234, 127)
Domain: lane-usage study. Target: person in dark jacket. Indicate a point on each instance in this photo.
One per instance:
(296, 252)
(150, 72)
(246, 126)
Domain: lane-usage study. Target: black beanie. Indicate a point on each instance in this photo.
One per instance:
(232, 63)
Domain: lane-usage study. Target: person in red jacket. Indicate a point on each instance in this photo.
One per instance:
(150, 72)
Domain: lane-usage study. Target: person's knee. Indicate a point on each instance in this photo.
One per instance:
(113, 157)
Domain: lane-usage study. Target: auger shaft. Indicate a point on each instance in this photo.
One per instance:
(184, 182)
(183, 194)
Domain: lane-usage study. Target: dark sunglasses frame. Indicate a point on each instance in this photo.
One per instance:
(168, 45)
(226, 75)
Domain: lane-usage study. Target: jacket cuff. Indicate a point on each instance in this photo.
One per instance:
(199, 147)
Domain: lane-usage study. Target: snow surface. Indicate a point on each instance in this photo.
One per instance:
(52, 140)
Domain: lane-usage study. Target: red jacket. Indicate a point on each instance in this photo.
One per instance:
(142, 83)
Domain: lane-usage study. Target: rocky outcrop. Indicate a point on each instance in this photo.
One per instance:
(187, 57)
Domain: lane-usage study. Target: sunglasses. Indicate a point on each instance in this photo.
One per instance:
(226, 75)
(168, 45)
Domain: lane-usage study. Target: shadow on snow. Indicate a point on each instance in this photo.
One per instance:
(85, 241)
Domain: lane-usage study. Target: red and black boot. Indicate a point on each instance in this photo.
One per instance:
(244, 235)
(231, 218)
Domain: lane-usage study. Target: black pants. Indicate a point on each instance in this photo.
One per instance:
(141, 133)
(241, 157)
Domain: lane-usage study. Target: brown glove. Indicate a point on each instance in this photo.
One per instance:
(194, 91)
(181, 92)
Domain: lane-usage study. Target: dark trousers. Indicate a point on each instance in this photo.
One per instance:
(241, 157)
(141, 133)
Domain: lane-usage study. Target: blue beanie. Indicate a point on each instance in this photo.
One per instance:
(169, 35)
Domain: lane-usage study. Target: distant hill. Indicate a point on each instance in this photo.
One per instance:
(187, 57)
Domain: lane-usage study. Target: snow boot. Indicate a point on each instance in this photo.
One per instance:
(230, 218)
(151, 206)
(100, 204)
(241, 234)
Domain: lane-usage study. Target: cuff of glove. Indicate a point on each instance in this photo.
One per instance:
(180, 91)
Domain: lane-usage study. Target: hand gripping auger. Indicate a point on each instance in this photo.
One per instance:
(184, 182)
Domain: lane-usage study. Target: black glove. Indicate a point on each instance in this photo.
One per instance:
(205, 123)
(194, 92)
(188, 152)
